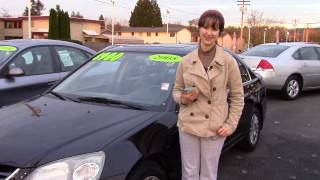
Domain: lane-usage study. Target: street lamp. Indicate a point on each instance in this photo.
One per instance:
(264, 35)
(112, 21)
(249, 36)
(287, 35)
(29, 19)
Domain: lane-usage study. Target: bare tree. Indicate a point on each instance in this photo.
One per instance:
(4, 12)
(255, 19)
(193, 22)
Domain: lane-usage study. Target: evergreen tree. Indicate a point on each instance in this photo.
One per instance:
(146, 14)
(101, 18)
(39, 7)
(157, 20)
(76, 15)
(53, 25)
(67, 26)
(58, 9)
(36, 8)
(61, 22)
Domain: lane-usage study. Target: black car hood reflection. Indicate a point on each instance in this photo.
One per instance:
(34, 133)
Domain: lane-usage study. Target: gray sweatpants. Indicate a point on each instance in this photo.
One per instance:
(199, 156)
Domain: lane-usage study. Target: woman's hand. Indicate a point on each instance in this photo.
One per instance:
(224, 131)
(189, 97)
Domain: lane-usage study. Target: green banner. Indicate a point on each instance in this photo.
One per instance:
(108, 56)
(168, 58)
(8, 48)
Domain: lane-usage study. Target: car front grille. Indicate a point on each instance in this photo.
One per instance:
(12, 173)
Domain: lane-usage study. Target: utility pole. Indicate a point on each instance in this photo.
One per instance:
(307, 33)
(295, 30)
(249, 36)
(29, 19)
(168, 12)
(243, 8)
(112, 21)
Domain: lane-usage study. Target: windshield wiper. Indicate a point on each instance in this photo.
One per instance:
(110, 101)
(63, 97)
(57, 95)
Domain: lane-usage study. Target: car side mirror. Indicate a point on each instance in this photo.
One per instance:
(16, 71)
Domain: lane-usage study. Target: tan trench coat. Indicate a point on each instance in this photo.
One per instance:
(211, 110)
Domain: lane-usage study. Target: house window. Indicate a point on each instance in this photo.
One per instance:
(119, 33)
(156, 33)
(8, 25)
(132, 33)
(172, 34)
(148, 34)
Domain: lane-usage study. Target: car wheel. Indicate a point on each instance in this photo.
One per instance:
(251, 139)
(292, 88)
(148, 170)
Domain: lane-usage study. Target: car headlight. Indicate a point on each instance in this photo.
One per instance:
(82, 167)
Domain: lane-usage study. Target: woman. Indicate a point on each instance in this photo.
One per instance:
(204, 80)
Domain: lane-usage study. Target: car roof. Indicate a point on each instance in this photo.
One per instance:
(23, 43)
(291, 44)
(181, 49)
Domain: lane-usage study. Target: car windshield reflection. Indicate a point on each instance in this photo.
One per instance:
(131, 78)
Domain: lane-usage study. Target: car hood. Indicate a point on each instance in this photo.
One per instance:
(47, 129)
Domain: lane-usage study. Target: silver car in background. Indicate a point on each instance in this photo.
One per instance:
(289, 67)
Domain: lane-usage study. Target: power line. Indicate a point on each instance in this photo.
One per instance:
(109, 3)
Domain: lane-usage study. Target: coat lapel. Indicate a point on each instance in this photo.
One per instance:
(199, 71)
(216, 66)
(197, 67)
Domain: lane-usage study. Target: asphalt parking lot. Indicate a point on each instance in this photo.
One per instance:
(289, 147)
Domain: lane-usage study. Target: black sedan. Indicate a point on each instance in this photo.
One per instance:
(113, 118)
(30, 67)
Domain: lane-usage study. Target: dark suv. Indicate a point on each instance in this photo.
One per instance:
(113, 118)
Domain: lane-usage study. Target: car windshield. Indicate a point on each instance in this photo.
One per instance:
(145, 79)
(266, 51)
(6, 51)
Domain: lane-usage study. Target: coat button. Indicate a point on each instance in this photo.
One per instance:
(195, 100)
(194, 62)
(191, 114)
(209, 102)
(207, 116)
(214, 89)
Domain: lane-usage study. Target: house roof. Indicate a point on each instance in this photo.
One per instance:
(171, 28)
(72, 19)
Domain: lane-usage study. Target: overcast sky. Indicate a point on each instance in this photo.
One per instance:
(305, 11)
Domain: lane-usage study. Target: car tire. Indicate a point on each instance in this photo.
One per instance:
(292, 88)
(148, 170)
(252, 137)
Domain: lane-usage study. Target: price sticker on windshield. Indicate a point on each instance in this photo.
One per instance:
(8, 48)
(168, 58)
(108, 56)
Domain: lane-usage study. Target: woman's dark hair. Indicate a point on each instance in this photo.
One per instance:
(212, 18)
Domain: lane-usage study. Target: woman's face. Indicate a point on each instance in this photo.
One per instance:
(209, 35)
